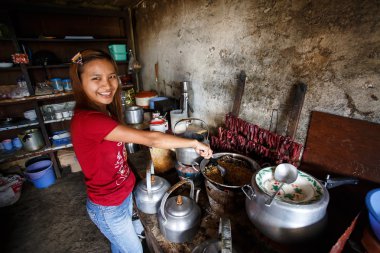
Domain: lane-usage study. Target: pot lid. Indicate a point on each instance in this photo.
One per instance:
(157, 184)
(146, 94)
(305, 190)
(179, 206)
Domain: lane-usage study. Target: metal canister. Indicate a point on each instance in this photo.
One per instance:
(32, 139)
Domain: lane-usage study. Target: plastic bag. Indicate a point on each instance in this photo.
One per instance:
(10, 189)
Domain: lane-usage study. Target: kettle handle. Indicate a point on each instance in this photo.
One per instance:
(189, 120)
(172, 189)
(149, 173)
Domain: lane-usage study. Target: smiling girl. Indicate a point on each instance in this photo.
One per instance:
(98, 137)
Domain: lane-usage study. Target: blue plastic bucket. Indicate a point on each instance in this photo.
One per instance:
(41, 174)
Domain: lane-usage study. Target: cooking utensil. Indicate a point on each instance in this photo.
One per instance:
(134, 115)
(189, 155)
(285, 173)
(179, 217)
(298, 215)
(252, 166)
(149, 191)
(214, 162)
(32, 139)
(223, 244)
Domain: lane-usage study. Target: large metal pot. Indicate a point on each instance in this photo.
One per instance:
(32, 139)
(179, 217)
(134, 115)
(286, 221)
(222, 197)
(188, 155)
(149, 191)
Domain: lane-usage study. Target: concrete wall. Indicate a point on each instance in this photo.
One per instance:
(332, 46)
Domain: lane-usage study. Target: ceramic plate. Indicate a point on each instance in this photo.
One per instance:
(305, 190)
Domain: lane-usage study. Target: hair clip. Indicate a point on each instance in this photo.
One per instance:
(77, 59)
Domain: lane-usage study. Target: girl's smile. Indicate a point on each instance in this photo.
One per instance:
(100, 82)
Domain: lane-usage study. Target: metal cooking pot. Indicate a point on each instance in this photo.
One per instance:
(254, 166)
(179, 217)
(189, 155)
(223, 244)
(287, 220)
(134, 115)
(32, 139)
(149, 192)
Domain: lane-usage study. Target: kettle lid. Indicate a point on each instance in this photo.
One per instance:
(179, 208)
(157, 183)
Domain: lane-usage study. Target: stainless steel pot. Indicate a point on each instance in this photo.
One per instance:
(179, 217)
(254, 166)
(149, 191)
(134, 115)
(32, 139)
(282, 221)
(188, 155)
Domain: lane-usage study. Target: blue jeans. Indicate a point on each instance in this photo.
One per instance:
(115, 222)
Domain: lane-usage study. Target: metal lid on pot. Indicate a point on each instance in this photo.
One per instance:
(157, 184)
(305, 190)
(179, 206)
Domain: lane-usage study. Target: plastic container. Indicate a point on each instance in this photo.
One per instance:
(56, 83)
(66, 83)
(118, 48)
(119, 56)
(372, 201)
(41, 174)
(175, 116)
(153, 100)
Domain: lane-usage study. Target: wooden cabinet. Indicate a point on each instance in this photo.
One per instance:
(50, 37)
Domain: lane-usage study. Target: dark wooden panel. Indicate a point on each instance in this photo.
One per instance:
(344, 146)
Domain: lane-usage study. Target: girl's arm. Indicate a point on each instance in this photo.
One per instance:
(157, 140)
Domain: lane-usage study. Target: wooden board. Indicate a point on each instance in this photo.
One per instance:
(341, 145)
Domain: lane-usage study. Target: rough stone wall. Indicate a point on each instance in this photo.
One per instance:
(332, 46)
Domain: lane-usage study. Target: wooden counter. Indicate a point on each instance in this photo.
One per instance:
(245, 237)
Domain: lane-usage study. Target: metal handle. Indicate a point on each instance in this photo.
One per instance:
(189, 121)
(334, 182)
(172, 189)
(248, 191)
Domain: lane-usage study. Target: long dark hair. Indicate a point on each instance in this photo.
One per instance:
(81, 99)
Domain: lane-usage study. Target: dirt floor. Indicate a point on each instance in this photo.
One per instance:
(51, 220)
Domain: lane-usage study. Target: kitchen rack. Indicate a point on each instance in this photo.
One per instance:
(29, 26)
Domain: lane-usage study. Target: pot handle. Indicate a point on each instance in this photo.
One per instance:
(193, 164)
(172, 189)
(335, 182)
(189, 121)
(248, 191)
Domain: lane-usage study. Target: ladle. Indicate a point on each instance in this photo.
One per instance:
(214, 162)
(285, 173)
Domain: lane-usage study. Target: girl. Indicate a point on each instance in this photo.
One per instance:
(98, 137)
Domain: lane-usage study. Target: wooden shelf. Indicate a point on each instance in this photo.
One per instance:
(22, 125)
(34, 98)
(15, 68)
(63, 65)
(11, 156)
(56, 120)
(73, 40)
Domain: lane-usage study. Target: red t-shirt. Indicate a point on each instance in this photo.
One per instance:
(108, 177)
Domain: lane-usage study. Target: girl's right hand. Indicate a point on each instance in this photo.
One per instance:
(203, 149)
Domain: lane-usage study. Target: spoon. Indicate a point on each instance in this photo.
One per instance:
(285, 173)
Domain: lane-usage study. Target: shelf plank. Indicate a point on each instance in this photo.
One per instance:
(32, 123)
(34, 98)
(22, 154)
(73, 40)
(56, 120)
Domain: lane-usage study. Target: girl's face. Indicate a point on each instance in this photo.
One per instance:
(99, 80)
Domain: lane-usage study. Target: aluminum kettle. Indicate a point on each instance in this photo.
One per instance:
(149, 192)
(189, 155)
(179, 217)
